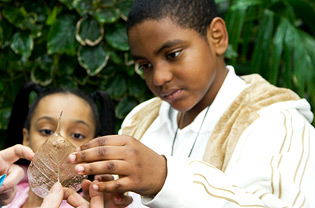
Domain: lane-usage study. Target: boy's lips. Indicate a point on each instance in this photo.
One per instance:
(171, 94)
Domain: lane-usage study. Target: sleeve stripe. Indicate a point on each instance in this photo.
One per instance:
(221, 189)
(225, 198)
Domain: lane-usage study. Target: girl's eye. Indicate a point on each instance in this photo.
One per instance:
(174, 54)
(77, 136)
(46, 132)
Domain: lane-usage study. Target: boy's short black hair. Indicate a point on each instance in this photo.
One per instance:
(194, 14)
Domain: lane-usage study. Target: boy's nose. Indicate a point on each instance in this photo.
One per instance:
(162, 74)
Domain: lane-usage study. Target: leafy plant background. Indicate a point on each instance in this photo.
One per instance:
(83, 44)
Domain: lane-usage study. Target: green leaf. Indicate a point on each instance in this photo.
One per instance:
(61, 36)
(1, 35)
(93, 59)
(14, 15)
(107, 15)
(116, 36)
(117, 87)
(124, 8)
(137, 87)
(41, 76)
(260, 58)
(124, 107)
(89, 32)
(277, 51)
(8, 29)
(68, 3)
(4, 117)
(83, 7)
(22, 44)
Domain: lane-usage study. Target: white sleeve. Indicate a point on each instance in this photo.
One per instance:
(273, 165)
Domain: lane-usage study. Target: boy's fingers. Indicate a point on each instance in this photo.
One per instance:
(120, 185)
(122, 200)
(104, 177)
(97, 154)
(117, 167)
(112, 140)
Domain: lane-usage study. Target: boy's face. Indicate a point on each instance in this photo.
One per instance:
(179, 65)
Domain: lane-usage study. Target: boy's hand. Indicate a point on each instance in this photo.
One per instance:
(140, 169)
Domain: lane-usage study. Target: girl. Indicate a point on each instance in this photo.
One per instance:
(81, 122)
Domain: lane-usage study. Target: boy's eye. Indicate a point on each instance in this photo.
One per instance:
(144, 66)
(174, 54)
(46, 132)
(77, 136)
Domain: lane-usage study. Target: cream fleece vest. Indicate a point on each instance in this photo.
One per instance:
(241, 113)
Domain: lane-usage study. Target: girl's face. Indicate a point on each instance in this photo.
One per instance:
(77, 123)
(179, 65)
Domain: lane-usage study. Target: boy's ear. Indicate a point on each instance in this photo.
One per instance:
(26, 140)
(217, 33)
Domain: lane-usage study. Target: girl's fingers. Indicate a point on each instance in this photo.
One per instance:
(85, 189)
(12, 154)
(54, 198)
(7, 196)
(118, 167)
(97, 198)
(14, 176)
(74, 199)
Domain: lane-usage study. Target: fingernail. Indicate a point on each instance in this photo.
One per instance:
(79, 168)
(72, 157)
(56, 188)
(95, 187)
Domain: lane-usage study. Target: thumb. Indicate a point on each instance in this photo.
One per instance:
(54, 197)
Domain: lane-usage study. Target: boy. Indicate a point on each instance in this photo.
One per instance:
(211, 138)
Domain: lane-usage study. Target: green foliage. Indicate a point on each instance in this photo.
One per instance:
(83, 44)
(67, 43)
(274, 38)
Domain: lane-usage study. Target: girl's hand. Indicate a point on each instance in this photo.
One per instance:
(139, 168)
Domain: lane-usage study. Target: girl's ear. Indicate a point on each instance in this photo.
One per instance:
(217, 34)
(26, 139)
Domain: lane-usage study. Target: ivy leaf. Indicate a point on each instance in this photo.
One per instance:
(117, 87)
(107, 15)
(61, 36)
(83, 7)
(14, 15)
(22, 44)
(116, 36)
(89, 32)
(124, 107)
(50, 165)
(93, 59)
(124, 7)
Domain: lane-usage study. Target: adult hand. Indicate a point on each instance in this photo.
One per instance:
(14, 173)
(140, 169)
